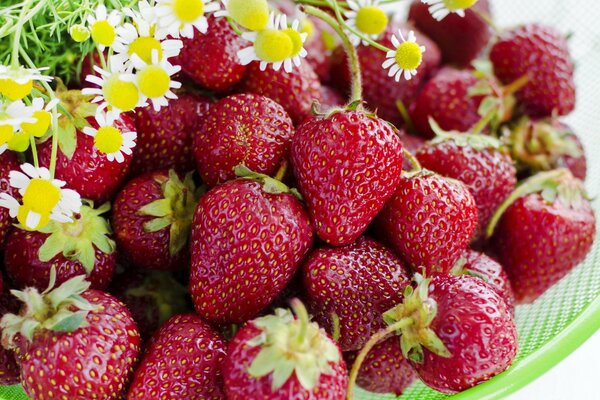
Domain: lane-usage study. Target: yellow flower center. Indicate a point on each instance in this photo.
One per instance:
(296, 40)
(409, 56)
(120, 94)
(80, 33)
(251, 14)
(108, 140)
(41, 196)
(454, 5)
(153, 81)
(15, 91)
(371, 20)
(6, 134)
(24, 211)
(103, 33)
(144, 46)
(42, 122)
(188, 10)
(19, 142)
(273, 45)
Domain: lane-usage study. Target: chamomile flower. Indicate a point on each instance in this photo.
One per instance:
(180, 17)
(277, 45)
(406, 57)
(16, 83)
(366, 17)
(12, 118)
(43, 198)
(154, 80)
(250, 14)
(109, 139)
(42, 116)
(440, 9)
(102, 26)
(116, 90)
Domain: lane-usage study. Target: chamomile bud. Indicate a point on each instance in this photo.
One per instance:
(79, 33)
(250, 14)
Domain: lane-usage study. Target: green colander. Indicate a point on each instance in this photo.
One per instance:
(569, 313)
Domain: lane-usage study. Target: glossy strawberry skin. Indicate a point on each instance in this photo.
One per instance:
(245, 237)
(210, 59)
(428, 221)
(477, 328)
(358, 283)
(539, 243)
(182, 361)
(164, 138)
(347, 166)
(541, 53)
(239, 385)
(460, 39)
(96, 360)
(295, 91)
(244, 129)
(489, 173)
(89, 172)
(8, 162)
(25, 269)
(331, 98)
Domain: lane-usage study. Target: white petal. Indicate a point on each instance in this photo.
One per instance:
(32, 220)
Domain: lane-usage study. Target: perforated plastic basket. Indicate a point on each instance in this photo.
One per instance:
(569, 313)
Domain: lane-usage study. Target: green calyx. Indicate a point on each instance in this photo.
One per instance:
(61, 310)
(476, 141)
(292, 345)
(78, 240)
(74, 109)
(270, 185)
(175, 210)
(459, 269)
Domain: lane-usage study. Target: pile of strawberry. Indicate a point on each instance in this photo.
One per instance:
(407, 266)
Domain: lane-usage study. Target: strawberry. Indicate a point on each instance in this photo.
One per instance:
(9, 369)
(84, 246)
(381, 92)
(72, 342)
(182, 361)
(348, 288)
(429, 221)
(210, 59)
(245, 233)
(347, 165)
(460, 39)
(412, 144)
(480, 162)
(544, 229)
(164, 138)
(152, 220)
(279, 357)
(295, 91)
(541, 53)
(8, 162)
(244, 129)
(330, 98)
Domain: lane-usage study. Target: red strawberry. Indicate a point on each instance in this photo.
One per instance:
(164, 138)
(81, 247)
(82, 344)
(295, 91)
(480, 162)
(330, 98)
(246, 234)
(242, 129)
(461, 39)
(379, 90)
(183, 361)
(412, 144)
(384, 370)
(280, 357)
(8, 162)
(541, 53)
(429, 221)
(355, 285)
(545, 228)
(9, 369)
(347, 165)
(211, 59)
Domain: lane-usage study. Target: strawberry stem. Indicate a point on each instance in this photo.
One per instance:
(415, 164)
(515, 86)
(302, 315)
(405, 116)
(335, 321)
(488, 20)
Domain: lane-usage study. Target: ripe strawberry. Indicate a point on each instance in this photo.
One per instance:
(246, 234)
(355, 285)
(295, 91)
(384, 370)
(9, 369)
(480, 162)
(429, 221)
(460, 39)
(72, 343)
(545, 228)
(152, 220)
(412, 144)
(381, 92)
(347, 165)
(164, 138)
(182, 361)
(211, 59)
(331, 98)
(84, 246)
(279, 357)
(8, 162)
(541, 53)
(242, 129)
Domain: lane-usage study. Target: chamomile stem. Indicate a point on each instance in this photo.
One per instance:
(34, 151)
(16, 44)
(412, 160)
